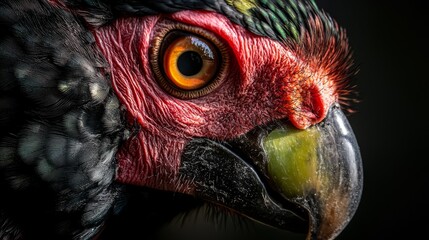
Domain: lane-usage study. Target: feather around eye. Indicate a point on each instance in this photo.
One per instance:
(188, 62)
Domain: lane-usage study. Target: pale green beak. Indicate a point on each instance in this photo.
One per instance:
(318, 168)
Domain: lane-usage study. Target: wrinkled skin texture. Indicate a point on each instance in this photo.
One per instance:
(240, 104)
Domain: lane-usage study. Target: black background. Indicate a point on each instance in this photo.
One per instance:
(391, 48)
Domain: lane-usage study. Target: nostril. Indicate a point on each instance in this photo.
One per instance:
(316, 104)
(311, 107)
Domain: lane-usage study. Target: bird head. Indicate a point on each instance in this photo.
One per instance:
(240, 107)
(238, 103)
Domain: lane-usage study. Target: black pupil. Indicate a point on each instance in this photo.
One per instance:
(189, 63)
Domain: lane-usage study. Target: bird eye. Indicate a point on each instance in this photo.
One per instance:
(188, 64)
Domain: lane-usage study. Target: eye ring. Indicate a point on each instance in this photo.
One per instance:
(188, 62)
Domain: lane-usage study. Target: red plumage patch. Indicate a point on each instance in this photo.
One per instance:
(324, 45)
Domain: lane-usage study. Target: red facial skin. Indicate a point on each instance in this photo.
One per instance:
(264, 81)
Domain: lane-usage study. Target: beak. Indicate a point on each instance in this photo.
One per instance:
(298, 180)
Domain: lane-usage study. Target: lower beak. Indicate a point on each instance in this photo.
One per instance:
(298, 180)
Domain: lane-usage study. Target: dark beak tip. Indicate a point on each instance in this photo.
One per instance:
(323, 172)
(336, 204)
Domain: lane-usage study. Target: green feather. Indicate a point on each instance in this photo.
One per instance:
(283, 20)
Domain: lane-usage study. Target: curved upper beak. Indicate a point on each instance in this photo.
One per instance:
(299, 180)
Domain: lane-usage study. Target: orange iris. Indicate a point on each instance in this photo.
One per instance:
(190, 62)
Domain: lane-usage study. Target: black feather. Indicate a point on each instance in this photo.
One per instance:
(60, 125)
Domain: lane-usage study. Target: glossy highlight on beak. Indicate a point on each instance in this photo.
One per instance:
(319, 169)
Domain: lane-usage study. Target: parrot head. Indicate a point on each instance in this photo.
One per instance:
(239, 107)
(238, 103)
